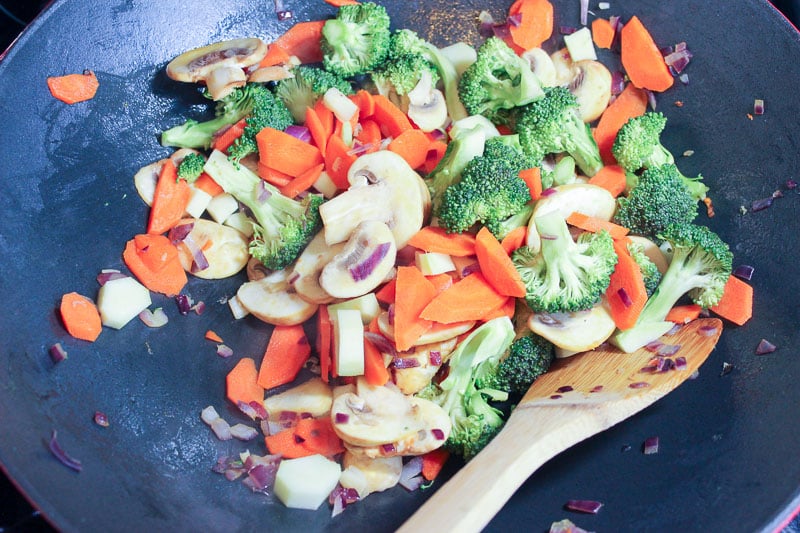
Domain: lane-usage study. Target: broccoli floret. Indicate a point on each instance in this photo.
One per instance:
(228, 111)
(552, 125)
(528, 358)
(566, 275)
(650, 273)
(403, 68)
(700, 267)
(305, 87)
(489, 191)
(503, 228)
(283, 226)
(497, 82)
(191, 167)
(474, 421)
(268, 112)
(638, 146)
(357, 40)
(658, 199)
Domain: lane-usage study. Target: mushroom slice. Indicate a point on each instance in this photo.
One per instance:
(413, 370)
(437, 333)
(145, 180)
(308, 267)
(195, 65)
(224, 248)
(426, 105)
(382, 187)
(374, 475)
(266, 74)
(574, 332)
(313, 397)
(591, 86)
(542, 66)
(272, 300)
(223, 80)
(564, 67)
(362, 264)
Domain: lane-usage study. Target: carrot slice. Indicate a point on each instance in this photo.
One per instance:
(207, 184)
(433, 462)
(73, 88)
(433, 239)
(507, 309)
(595, 224)
(436, 150)
(225, 139)
(212, 336)
(736, 304)
(340, 3)
(285, 153)
(286, 353)
(626, 293)
(497, 266)
(338, 158)
(369, 136)
(318, 436)
(275, 177)
(375, 371)
(286, 444)
(170, 200)
(154, 261)
(301, 40)
(611, 178)
(389, 117)
(411, 145)
(440, 281)
(470, 298)
(514, 239)
(324, 342)
(386, 294)
(80, 316)
(535, 25)
(533, 179)
(602, 33)
(241, 383)
(417, 292)
(365, 103)
(630, 103)
(642, 59)
(683, 314)
(317, 129)
(302, 182)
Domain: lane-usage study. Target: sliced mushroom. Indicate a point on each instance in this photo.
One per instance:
(223, 80)
(368, 475)
(437, 333)
(308, 267)
(420, 365)
(267, 74)
(652, 251)
(272, 300)
(574, 332)
(564, 67)
(256, 270)
(426, 105)
(362, 264)
(224, 248)
(591, 86)
(313, 396)
(542, 66)
(145, 180)
(382, 187)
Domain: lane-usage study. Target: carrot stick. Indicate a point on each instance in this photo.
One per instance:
(207, 184)
(286, 153)
(389, 117)
(436, 150)
(73, 88)
(611, 178)
(324, 337)
(470, 298)
(536, 23)
(533, 179)
(737, 301)
(370, 135)
(594, 224)
(212, 336)
(630, 103)
(386, 294)
(338, 160)
(154, 261)
(169, 200)
(433, 462)
(225, 139)
(317, 129)
(497, 266)
(432, 239)
(275, 177)
(302, 182)
(417, 292)
(642, 59)
(375, 370)
(683, 314)
(602, 33)
(411, 145)
(286, 353)
(241, 383)
(514, 239)
(626, 293)
(80, 316)
(301, 40)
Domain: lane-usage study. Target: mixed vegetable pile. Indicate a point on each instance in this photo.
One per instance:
(447, 221)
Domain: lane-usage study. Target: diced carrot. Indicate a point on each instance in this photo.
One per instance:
(433, 239)
(149, 260)
(80, 317)
(275, 177)
(497, 266)
(212, 336)
(318, 436)
(683, 314)
(389, 117)
(595, 224)
(602, 33)
(533, 179)
(288, 154)
(535, 25)
(73, 88)
(226, 138)
(170, 200)
(302, 182)
(324, 342)
(514, 239)
(386, 294)
(630, 103)
(375, 371)
(286, 444)
(626, 292)
(287, 351)
(642, 59)
(737, 301)
(155, 251)
(436, 150)
(207, 184)
(467, 299)
(417, 292)
(241, 383)
(433, 462)
(411, 145)
(302, 40)
(319, 135)
(611, 178)
(338, 158)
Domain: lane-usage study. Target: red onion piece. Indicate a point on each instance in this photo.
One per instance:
(501, 30)
(412, 484)
(515, 20)
(707, 331)
(727, 368)
(596, 388)
(61, 455)
(224, 351)
(264, 192)
(261, 477)
(744, 272)
(359, 148)
(653, 346)
(555, 396)
(299, 132)
(584, 12)
(247, 409)
(486, 21)
(154, 319)
(411, 468)
(765, 347)
(617, 82)
(639, 385)
(548, 191)
(791, 184)
(199, 307)
(338, 505)
(107, 275)
(383, 344)
(470, 269)
(184, 303)
(624, 297)
(760, 205)
(758, 107)
(180, 232)
(678, 60)
(565, 388)
(388, 448)
(57, 353)
(565, 526)
(405, 362)
(100, 419)
(684, 78)
(583, 506)
(362, 270)
(650, 446)
(680, 363)
(437, 433)
(259, 409)
(668, 350)
(341, 418)
(435, 358)
(243, 432)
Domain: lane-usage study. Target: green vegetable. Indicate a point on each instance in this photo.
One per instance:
(191, 167)
(357, 40)
(305, 87)
(268, 112)
(528, 358)
(650, 273)
(403, 68)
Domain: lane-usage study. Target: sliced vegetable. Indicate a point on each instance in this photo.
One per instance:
(286, 353)
(642, 59)
(497, 266)
(737, 301)
(73, 88)
(241, 383)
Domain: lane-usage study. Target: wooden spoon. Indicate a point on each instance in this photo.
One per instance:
(607, 386)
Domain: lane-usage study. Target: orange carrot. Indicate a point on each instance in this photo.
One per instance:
(80, 316)
(389, 117)
(275, 56)
(369, 135)
(436, 150)
(302, 182)
(324, 341)
(169, 200)
(301, 40)
(73, 88)
(318, 436)
(375, 370)
(536, 23)
(432, 239)
(467, 299)
(325, 116)
(611, 178)
(286, 353)
(417, 292)
(207, 184)
(241, 383)
(366, 105)
(533, 179)
(433, 462)
(286, 444)
(642, 59)
(497, 266)
(275, 177)
(411, 145)
(683, 314)
(225, 139)
(737, 301)
(514, 239)
(602, 33)
(626, 293)
(630, 103)
(317, 129)
(286, 153)
(507, 309)
(386, 294)
(212, 336)
(340, 3)
(338, 158)
(154, 261)
(440, 281)
(595, 224)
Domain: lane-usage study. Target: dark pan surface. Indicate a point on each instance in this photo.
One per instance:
(728, 458)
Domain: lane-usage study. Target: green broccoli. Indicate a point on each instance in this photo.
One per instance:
(650, 273)
(565, 276)
(191, 167)
(497, 82)
(528, 358)
(228, 111)
(474, 421)
(488, 192)
(658, 199)
(305, 87)
(552, 125)
(700, 267)
(268, 112)
(403, 68)
(638, 146)
(283, 226)
(357, 40)
(504, 227)
(562, 173)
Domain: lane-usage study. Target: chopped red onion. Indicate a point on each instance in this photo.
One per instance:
(565, 525)
(100, 419)
(744, 272)
(665, 364)
(362, 270)
(624, 297)
(247, 409)
(412, 484)
(653, 346)
(555, 396)
(596, 388)
(154, 319)
(791, 184)
(199, 307)
(548, 191)
(435, 358)
(243, 432)
(180, 232)
(390, 312)
(678, 60)
(680, 363)
(565, 388)
(360, 148)
(184, 304)
(224, 351)
(758, 107)
(514, 20)
(57, 353)
(765, 347)
(264, 193)
(299, 132)
(501, 30)
(383, 344)
(486, 21)
(617, 82)
(583, 506)
(684, 78)
(650, 445)
(199, 261)
(471, 268)
(437, 433)
(639, 385)
(669, 350)
(259, 409)
(341, 418)
(777, 194)
(61, 455)
(388, 448)
(287, 415)
(405, 362)
(107, 275)
(674, 330)
(584, 12)
(763, 203)
(707, 331)
(411, 468)
(338, 505)
(261, 477)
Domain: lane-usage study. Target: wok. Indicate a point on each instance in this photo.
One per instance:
(728, 456)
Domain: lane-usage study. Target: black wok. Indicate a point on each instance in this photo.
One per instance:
(728, 457)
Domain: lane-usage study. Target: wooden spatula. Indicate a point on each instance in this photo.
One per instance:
(579, 397)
